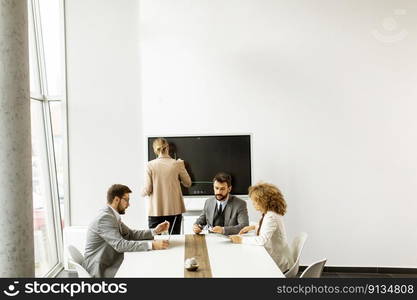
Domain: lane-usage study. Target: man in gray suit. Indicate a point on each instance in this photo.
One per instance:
(108, 238)
(223, 213)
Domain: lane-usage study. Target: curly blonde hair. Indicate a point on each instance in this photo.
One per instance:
(268, 197)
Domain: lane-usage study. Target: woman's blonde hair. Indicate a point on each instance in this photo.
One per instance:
(160, 145)
(268, 197)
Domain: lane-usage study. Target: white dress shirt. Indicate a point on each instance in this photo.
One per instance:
(222, 203)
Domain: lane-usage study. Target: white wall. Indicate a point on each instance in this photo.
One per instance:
(330, 105)
(104, 112)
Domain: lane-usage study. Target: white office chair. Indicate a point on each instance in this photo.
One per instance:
(296, 248)
(314, 270)
(76, 258)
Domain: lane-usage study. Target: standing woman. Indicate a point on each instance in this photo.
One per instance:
(162, 184)
(270, 232)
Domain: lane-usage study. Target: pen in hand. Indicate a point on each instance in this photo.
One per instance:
(172, 228)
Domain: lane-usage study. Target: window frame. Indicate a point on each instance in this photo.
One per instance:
(46, 99)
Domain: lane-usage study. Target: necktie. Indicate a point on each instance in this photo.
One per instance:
(218, 219)
(219, 209)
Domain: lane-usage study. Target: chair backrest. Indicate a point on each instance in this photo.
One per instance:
(82, 273)
(296, 248)
(75, 255)
(76, 258)
(314, 270)
(75, 236)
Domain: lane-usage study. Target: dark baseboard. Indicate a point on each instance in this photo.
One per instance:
(381, 270)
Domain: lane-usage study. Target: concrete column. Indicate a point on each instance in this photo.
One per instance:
(16, 213)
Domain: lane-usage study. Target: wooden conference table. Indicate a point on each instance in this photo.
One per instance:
(216, 255)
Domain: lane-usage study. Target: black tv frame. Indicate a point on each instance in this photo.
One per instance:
(150, 155)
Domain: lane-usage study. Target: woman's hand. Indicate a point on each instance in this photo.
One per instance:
(236, 239)
(246, 229)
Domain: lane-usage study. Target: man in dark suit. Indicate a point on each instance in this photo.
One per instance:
(223, 213)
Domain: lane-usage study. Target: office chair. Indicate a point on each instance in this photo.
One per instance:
(296, 248)
(314, 270)
(76, 258)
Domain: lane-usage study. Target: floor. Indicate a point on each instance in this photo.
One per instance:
(70, 274)
(366, 275)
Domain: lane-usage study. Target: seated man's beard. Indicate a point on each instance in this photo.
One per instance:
(120, 211)
(221, 197)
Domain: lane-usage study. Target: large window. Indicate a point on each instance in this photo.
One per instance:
(47, 87)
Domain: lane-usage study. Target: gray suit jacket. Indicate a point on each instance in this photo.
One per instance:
(235, 214)
(107, 239)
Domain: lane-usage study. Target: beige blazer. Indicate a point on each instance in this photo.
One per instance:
(162, 184)
(274, 238)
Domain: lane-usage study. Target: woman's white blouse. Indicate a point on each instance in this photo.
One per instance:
(274, 238)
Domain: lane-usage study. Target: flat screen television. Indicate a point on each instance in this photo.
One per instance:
(204, 156)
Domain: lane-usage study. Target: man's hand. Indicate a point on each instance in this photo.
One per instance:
(236, 239)
(160, 244)
(217, 229)
(196, 228)
(246, 229)
(162, 227)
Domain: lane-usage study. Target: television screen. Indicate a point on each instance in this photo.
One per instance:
(205, 156)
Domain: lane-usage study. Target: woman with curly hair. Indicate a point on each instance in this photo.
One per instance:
(270, 232)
